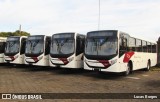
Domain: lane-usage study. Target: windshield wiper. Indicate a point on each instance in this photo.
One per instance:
(10, 46)
(101, 43)
(31, 45)
(35, 43)
(59, 45)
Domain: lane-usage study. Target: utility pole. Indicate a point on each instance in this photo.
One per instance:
(20, 28)
(99, 15)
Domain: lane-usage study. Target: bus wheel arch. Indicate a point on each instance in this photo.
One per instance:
(129, 68)
(148, 65)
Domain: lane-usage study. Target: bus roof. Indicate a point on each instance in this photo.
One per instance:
(18, 36)
(3, 38)
(69, 33)
(101, 31)
(122, 33)
(38, 35)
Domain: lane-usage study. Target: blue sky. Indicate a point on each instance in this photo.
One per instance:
(139, 18)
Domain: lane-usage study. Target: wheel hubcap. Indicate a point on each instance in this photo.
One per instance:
(128, 70)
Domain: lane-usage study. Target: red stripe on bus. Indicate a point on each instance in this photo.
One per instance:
(127, 56)
(12, 58)
(64, 60)
(105, 63)
(35, 59)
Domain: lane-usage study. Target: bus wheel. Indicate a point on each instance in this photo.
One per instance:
(148, 66)
(128, 70)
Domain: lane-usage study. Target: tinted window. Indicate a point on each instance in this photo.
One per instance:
(2, 47)
(138, 45)
(154, 48)
(47, 45)
(23, 45)
(149, 45)
(132, 44)
(80, 45)
(144, 46)
(123, 45)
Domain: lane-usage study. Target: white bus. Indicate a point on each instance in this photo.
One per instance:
(115, 51)
(67, 50)
(2, 47)
(37, 50)
(14, 49)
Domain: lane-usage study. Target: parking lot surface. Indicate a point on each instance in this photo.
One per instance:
(25, 79)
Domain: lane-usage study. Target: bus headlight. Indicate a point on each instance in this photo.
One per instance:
(40, 57)
(113, 61)
(70, 59)
(16, 56)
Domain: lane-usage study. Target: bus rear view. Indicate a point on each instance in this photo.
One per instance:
(67, 50)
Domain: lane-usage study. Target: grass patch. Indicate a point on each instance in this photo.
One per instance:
(155, 69)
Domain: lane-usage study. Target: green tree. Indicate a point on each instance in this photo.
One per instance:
(16, 33)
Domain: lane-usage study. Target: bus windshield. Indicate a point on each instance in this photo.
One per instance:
(62, 44)
(102, 44)
(35, 45)
(12, 45)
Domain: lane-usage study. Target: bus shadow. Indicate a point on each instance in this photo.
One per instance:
(111, 75)
(105, 75)
(6, 65)
(65, 71)
(118, 76)
(2, 64)
(68, 71)
(37, 69)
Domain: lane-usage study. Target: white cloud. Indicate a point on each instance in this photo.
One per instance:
(140, 18)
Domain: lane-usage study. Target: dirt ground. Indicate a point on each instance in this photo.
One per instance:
(25, 79)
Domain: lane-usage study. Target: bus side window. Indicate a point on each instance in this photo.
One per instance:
(144, 46)
(2, 47)
(154, 48)
(82, 44)
(47, 45)
(123, 46)
(149, 45)
(139, 45)
(23, 45)
(79, 45)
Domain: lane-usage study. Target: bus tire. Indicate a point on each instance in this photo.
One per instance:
(148, 66)
(128, 70)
